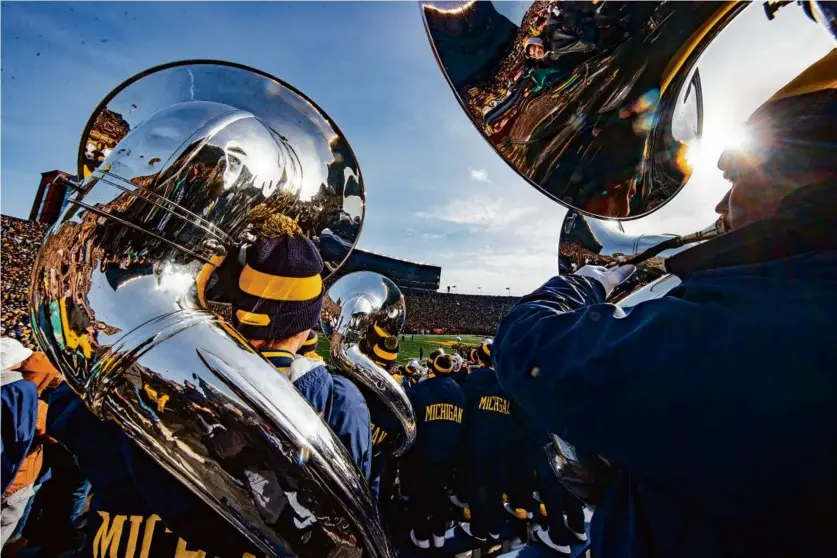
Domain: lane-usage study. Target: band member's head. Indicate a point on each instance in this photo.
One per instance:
(472, 355)
(441, 365)
(385, 351)
(484, 353)
(458, 362)
(534, 48)
(280, 292)
(413, 368)
(790, 145)
(438, 352)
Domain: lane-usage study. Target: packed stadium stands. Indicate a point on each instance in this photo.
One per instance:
(427, 310)
(21, 241)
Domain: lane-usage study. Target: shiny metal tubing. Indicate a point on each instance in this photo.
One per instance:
(119, 296)
(354, 305)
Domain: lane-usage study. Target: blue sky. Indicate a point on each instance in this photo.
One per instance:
(436, 192)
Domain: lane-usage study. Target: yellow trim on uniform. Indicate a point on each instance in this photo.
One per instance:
(252, 319)
(276, 287)
(277, 353)
(313, 355)
(381, 332)
(384, 354)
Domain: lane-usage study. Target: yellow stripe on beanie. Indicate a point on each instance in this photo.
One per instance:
(275, 287)
(253, 319)
(384, 354)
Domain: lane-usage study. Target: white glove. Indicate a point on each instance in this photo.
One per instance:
(609, 277)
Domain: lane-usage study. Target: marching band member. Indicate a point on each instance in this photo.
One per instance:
(427, 468)
(531, 470)
(138, 508)
(489, 432)
(696, 397)
(385, 426)
(413, 372)
(278, 303)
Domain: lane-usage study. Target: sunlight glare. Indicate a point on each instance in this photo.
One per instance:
(703, 153)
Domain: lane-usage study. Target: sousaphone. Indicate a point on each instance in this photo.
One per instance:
(617, 111)
(181, 165)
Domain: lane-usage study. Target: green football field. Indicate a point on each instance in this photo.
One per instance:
(410, 344)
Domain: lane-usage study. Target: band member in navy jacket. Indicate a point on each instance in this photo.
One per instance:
(489, 431)
(439, 405)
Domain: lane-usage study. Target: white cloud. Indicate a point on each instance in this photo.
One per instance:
(480, 175)
(480, 212)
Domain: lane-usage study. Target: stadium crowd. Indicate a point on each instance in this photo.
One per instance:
(454, 313)
(21, 241)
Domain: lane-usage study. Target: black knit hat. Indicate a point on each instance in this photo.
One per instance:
(442, 364)
(280, 290)
(385, 351)
(484, 352)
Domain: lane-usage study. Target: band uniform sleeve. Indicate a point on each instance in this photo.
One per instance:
(349, 419)
(19, 421)
(621, 383)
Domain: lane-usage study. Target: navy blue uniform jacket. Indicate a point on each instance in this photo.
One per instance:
(335, 398)
(489, 424)
(20, 412)
(138, 508)
(439, 405)
(717, 404)
(386, 432)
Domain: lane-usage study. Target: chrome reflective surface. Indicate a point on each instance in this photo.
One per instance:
(301, 164)
(594, 103)
(355, 306)
(119, 298)
(586, 240)
(585, 475)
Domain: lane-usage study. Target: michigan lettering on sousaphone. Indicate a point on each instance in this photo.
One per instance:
(199, 153)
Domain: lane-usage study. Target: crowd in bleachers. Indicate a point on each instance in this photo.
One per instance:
(454, 313)
(21, 242)
(426, 310)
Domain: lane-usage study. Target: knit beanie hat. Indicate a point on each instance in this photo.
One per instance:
(385, 351)
(485, 350)
(280, 290)
(442, 364)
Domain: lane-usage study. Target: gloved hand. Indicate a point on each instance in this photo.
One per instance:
(609, 277)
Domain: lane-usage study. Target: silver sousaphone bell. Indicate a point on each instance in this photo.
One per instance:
(180, 164)
(359, 308)
(617, 110)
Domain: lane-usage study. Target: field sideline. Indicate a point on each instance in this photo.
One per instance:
(411, 344)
